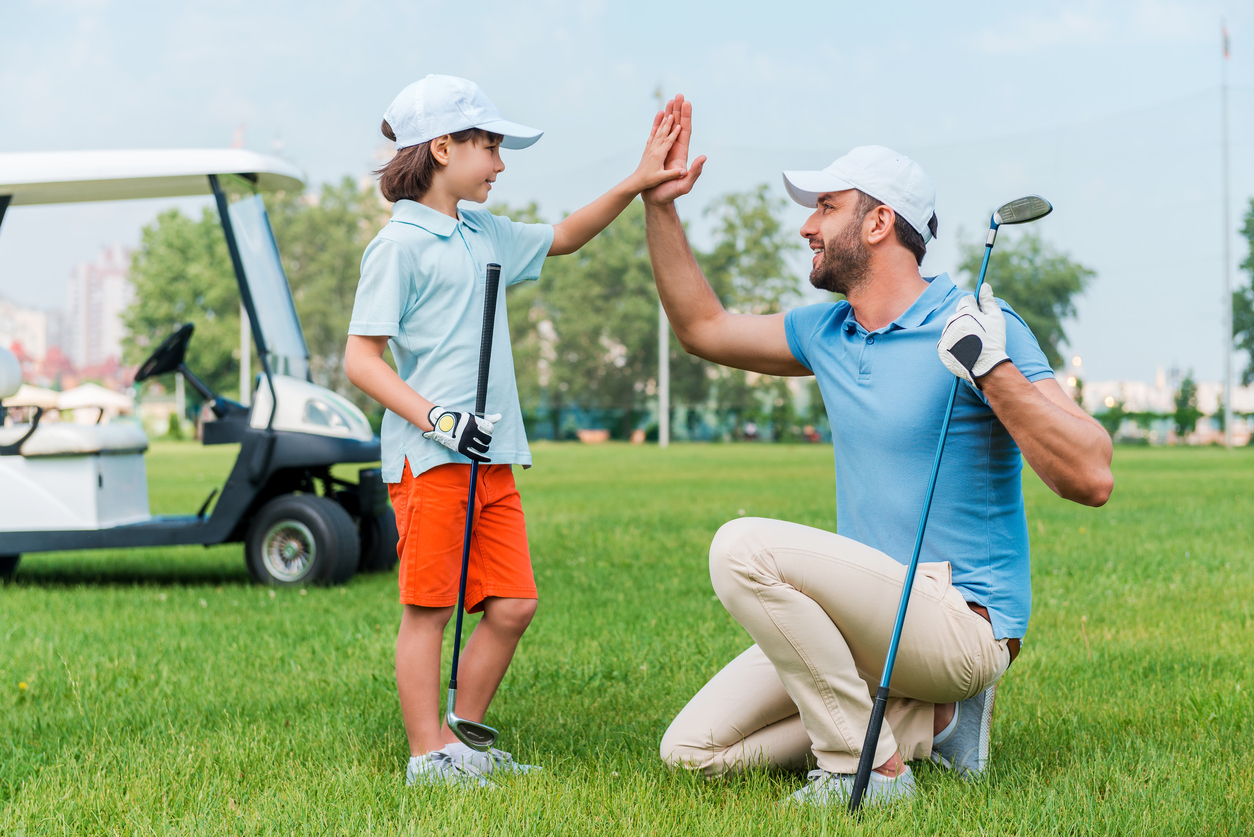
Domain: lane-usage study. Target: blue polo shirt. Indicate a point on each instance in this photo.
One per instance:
(422, 284)
(885, 393)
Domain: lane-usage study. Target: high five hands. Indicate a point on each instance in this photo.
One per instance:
(677, 111)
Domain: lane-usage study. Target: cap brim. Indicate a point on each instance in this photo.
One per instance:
(516, 136)
(804, 187)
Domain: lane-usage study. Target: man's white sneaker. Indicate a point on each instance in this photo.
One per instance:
(963, 745)
(825, 788)
(439, 768)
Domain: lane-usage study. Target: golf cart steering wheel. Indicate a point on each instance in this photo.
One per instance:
(168, 357)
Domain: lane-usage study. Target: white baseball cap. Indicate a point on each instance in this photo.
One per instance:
(891, 178)
(439, 105)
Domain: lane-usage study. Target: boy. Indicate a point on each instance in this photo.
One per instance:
(422, 291)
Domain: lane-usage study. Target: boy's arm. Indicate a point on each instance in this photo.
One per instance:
(578, 228)
(370, 373)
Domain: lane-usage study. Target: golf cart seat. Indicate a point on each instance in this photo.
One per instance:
(66, 439)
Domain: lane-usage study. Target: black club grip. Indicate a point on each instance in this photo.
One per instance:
(866, 763)
(485, 345)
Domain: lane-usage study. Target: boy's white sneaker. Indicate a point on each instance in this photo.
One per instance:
(483, 763)
(438, 768)
(963, 745)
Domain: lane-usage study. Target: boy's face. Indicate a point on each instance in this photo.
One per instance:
(472, 169)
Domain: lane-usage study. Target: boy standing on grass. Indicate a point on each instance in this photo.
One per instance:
(422, 293)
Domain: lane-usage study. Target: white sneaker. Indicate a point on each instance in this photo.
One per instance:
(963, 745)
(835, 789)
(483, 763)
(439, 768)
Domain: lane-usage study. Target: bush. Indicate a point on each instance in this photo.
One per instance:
(174, 430)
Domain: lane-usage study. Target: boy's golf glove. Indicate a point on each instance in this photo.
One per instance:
(974, 338)
(463, 433)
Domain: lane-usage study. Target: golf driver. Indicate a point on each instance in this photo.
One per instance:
(475, 735)
(1019, 211)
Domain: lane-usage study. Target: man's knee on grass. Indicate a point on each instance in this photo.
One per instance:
(733, 543)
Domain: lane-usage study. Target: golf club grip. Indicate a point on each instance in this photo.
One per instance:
(485, 344)
(866, 761)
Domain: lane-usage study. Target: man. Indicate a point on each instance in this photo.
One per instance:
(820, 606)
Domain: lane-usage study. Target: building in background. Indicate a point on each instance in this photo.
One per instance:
(99, 293)
(23, 331)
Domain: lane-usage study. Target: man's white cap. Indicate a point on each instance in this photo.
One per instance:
(439, 105)
(891, 178)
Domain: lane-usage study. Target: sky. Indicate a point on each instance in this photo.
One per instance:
(1109, 109)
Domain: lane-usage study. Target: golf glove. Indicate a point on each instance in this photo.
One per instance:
(463, 433)
(974, 339)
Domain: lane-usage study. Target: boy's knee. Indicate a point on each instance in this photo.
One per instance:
(511, 615)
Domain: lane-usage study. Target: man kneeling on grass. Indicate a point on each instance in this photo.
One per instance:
(820, 606)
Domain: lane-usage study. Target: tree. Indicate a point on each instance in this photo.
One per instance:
(1112, 418)
(182, 273)
(1187, 413)
(1243, 303)
(1040, 283)
(321, 240)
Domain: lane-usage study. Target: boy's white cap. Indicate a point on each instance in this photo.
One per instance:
(891, 178)
(439, 105)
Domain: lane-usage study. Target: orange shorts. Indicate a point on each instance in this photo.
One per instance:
(431, 523)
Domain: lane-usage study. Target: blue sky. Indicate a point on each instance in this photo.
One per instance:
(1110, 109)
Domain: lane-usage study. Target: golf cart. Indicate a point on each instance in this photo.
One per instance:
(67, 486)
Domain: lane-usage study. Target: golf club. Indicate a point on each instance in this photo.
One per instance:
(475, 735)
(1019, 211)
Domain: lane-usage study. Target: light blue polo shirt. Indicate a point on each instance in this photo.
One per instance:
(422, 284)
(885, 393)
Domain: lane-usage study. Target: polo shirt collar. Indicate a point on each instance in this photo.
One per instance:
(938, 290)
(421, 215)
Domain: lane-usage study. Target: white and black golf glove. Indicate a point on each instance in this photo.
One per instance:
(974, 338)
(463, 433)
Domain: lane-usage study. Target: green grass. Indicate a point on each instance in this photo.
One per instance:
(165, 694)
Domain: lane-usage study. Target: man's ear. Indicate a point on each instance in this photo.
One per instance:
(439, 149)
(880, 223)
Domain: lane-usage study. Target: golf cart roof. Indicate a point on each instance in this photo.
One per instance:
(72, 176)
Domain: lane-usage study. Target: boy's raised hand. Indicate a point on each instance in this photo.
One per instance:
(657, 152)
(668, 190)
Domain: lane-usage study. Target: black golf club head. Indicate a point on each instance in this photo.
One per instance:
(1022, 210)
(474, 735)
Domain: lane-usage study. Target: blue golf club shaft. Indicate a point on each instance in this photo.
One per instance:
(867, 759)
(481, 405)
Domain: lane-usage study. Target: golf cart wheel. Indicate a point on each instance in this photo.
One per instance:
(378, 543)
(8, 564)
(301, 539)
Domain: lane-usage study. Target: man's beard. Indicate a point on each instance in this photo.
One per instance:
(844, 265)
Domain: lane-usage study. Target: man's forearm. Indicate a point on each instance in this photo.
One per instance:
(1070, 452)
(686, 295)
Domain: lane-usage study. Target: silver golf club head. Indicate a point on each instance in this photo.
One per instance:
(476, 736)
(1022, 210)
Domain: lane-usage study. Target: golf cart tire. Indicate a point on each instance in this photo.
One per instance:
(378, 543)
(8, 565)
(312, 533)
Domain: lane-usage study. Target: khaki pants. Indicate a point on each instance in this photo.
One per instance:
(820, 608)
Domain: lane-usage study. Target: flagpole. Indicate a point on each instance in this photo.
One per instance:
(1223, 88)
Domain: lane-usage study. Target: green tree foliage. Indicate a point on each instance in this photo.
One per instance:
(182, 273)
(1112, 418)
(1243, 303)
(1187, 413)
(1039, 281)
(321, 240)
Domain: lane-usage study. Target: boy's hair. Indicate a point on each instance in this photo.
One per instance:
(907, 236)
(408, 175)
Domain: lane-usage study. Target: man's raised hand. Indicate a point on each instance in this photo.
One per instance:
(677, 158)
(655, 164)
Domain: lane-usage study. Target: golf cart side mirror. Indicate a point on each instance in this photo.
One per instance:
(167, 357)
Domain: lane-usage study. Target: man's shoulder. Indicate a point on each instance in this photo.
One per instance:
(809, 320)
